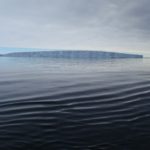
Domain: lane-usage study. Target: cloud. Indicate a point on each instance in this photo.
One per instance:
(81, 24)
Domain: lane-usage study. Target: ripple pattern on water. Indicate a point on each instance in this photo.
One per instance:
(74, 110)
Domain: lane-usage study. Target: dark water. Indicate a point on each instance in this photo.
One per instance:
(74, 104)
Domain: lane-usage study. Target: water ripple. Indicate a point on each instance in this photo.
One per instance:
(99, 110)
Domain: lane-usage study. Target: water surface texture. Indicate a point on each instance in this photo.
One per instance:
(60, 104)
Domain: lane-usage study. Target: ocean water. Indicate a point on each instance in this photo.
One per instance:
(62, 104)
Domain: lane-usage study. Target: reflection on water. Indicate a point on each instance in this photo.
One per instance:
(74, 104)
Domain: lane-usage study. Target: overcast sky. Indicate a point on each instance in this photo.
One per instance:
(111, 25)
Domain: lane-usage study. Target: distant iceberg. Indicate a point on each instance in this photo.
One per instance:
(70, 54)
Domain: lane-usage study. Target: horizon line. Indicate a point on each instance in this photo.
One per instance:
(48, 49)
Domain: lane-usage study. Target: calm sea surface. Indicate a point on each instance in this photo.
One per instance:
(62, 104)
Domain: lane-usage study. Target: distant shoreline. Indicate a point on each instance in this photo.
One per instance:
(70, 54)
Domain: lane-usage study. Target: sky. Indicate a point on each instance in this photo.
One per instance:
(108, 25)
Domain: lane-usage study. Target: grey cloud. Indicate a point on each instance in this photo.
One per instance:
(80, 12)
(97, 24)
